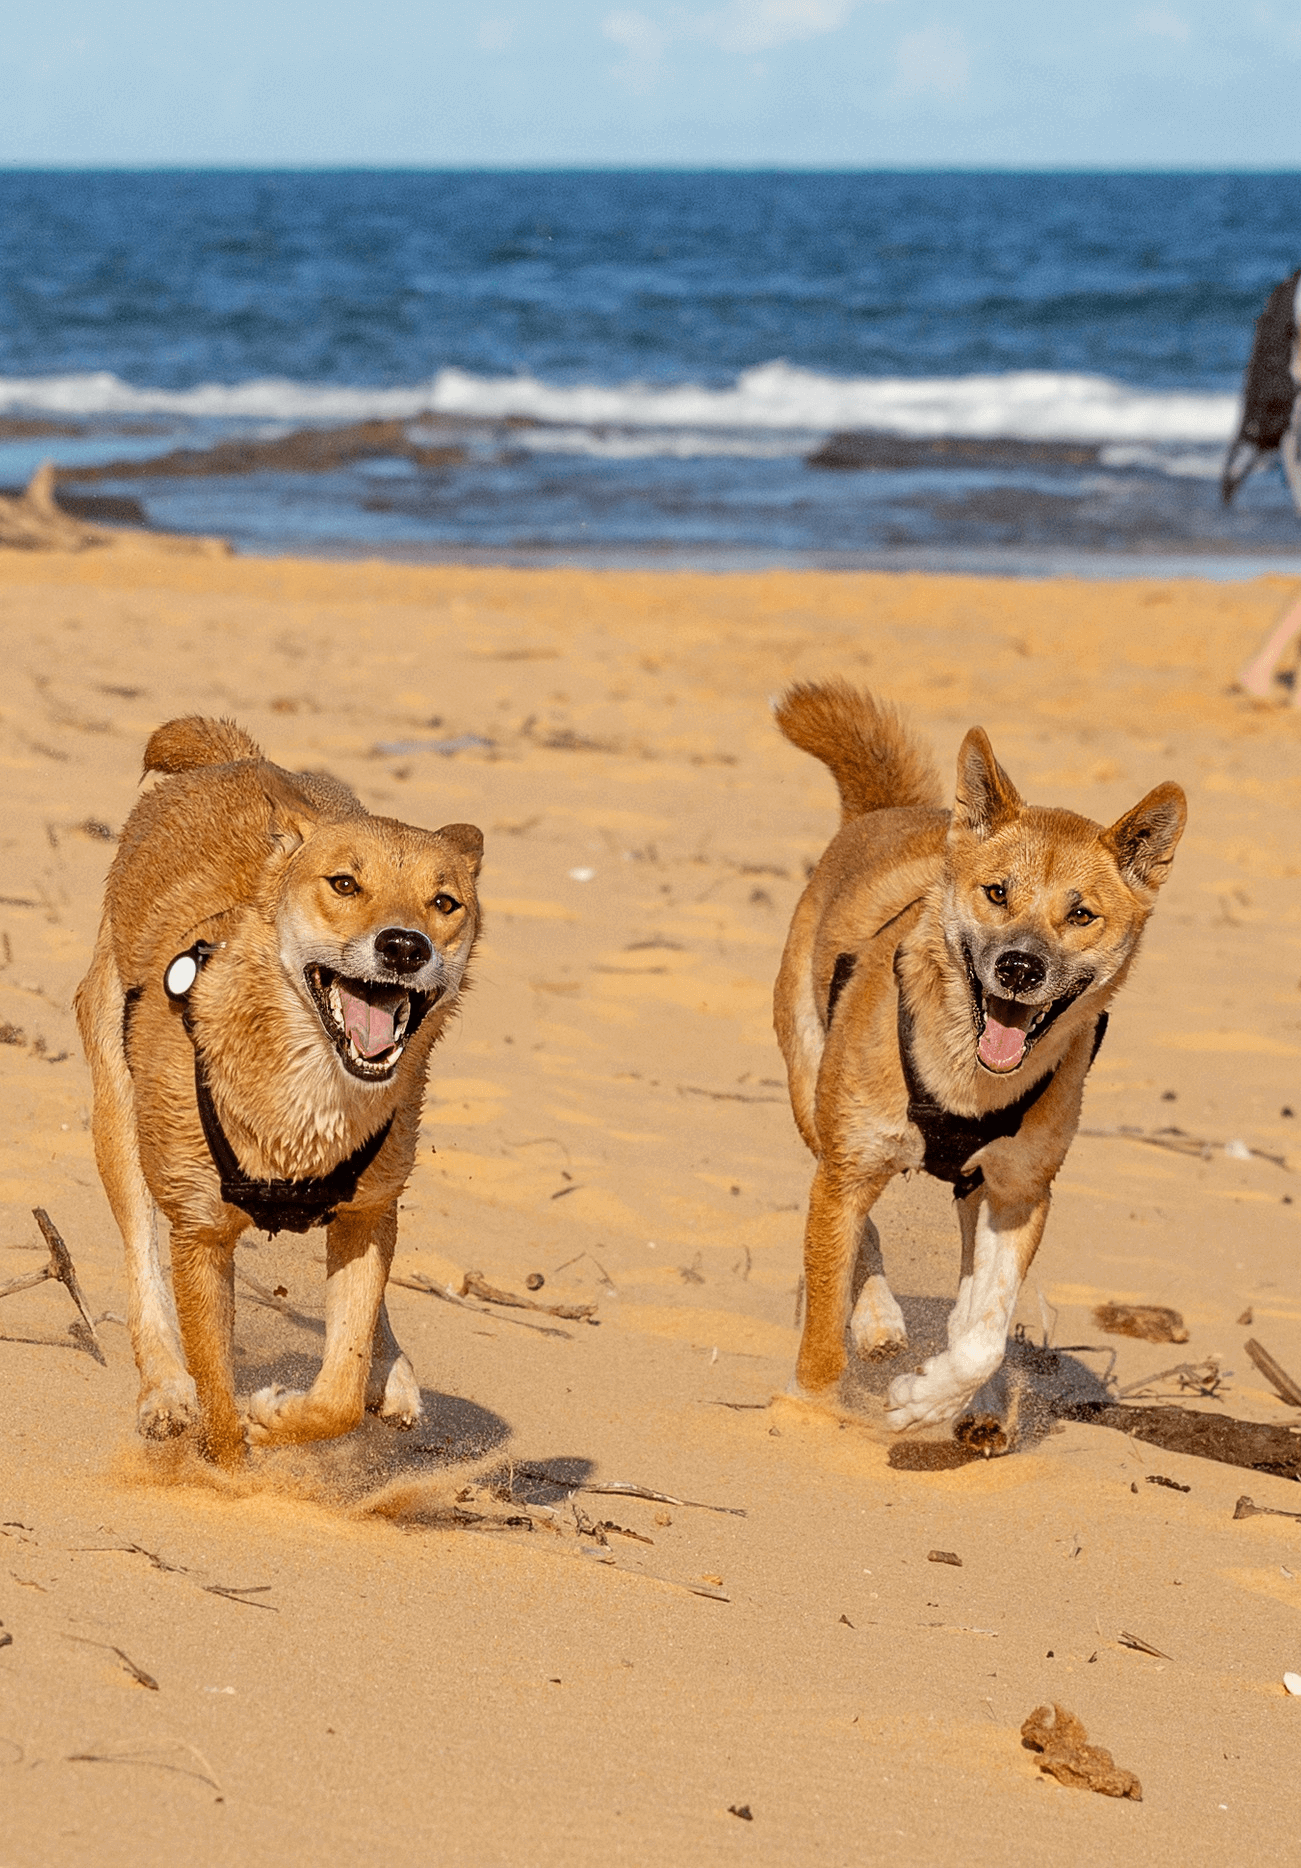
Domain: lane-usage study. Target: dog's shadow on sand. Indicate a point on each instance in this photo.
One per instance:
(1035, 1388)
(418, 1470)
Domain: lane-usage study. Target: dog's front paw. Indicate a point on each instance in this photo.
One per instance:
(168, 1408)
(877, 1328)
(930, 1397)
(398, 1400)
(269, 1412)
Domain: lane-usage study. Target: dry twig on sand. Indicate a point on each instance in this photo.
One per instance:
(448, 1296)
(474, 1284)
(1275, 1374)
(138, 1674)
(1247, 1508)
(60, 1267)
(1179, 1142)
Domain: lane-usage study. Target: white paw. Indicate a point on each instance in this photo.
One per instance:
(943, 1386)
(168, 1408)
(877, 1328)
(265, 1416)
(398, 1402)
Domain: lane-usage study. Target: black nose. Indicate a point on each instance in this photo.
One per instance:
(1020, 972)
(402, 950)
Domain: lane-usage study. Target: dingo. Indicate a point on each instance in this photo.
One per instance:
(273, 968)
(941, 997)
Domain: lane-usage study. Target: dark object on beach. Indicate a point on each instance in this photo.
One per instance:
(1277, 1376)
(1268, 392)
(59, 1267)
(1153, 1323)
(534, 1281)
(944, 1556)
(1246, 1443)
(1067, 1755)
(742, 1810)
(1159, 1478)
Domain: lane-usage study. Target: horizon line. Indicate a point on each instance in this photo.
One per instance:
(597, 167)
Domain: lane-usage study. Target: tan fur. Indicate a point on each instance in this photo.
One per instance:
(902, 889)
(239, 853)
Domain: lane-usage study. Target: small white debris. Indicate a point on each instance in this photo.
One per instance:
(582, 875)
(1292, 1681)
(1237, 1151)
(219, 1689)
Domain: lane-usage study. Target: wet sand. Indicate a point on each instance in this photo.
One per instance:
(408, 1684)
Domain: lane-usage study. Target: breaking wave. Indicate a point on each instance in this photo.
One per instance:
(1030, 405)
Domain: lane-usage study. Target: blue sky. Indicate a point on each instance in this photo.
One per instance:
(852, 83)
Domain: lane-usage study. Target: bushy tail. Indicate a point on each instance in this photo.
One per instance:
(875, 760)
(184, 745)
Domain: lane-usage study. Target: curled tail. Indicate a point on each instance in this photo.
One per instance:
(875, 760)
(184, 745)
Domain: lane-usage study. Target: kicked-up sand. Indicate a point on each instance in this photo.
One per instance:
(429, 1648)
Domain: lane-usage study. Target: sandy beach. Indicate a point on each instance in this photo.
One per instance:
(430, 1648)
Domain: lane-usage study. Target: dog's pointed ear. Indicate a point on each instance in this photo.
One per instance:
(293, 816)
(466, 840)
(986, 798)
(1144, 840)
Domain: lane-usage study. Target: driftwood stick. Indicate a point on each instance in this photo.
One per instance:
(25, 1284)
(1248, 1508)
(474, 1284)
(1277, 1376)
(61, 1267)
(447, 1295)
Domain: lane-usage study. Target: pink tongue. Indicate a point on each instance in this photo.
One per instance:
(369, 1026)
(1001, 1046)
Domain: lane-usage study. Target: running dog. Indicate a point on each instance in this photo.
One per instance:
(273, 968)
(943, 992)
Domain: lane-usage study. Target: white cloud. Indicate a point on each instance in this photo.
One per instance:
(744, 26)
(642, 41)
(759, 25)
(932, 61)
(1159, 22)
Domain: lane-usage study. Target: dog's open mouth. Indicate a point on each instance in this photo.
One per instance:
(368, 1021)
(1007, 1029)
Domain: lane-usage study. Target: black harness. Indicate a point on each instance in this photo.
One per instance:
(950, 1140)
(272, 1205)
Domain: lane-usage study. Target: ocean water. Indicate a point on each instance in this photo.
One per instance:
(651, 367)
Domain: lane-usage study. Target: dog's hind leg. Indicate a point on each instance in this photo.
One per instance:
(1004, 1238)
(168, 1402)
(800, 1030)
(877, 1327)
(359, 1251)
(839, 1205)
(392, 1391)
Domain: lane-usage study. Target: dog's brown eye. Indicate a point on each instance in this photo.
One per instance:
(344, 885)
(1080, 917)
(997, 893)
(446, 904)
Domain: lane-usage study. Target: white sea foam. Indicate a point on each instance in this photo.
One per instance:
(1035, 405)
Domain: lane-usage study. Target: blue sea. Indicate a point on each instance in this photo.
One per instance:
(998, 371)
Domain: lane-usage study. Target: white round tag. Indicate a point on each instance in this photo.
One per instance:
(181, 975)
